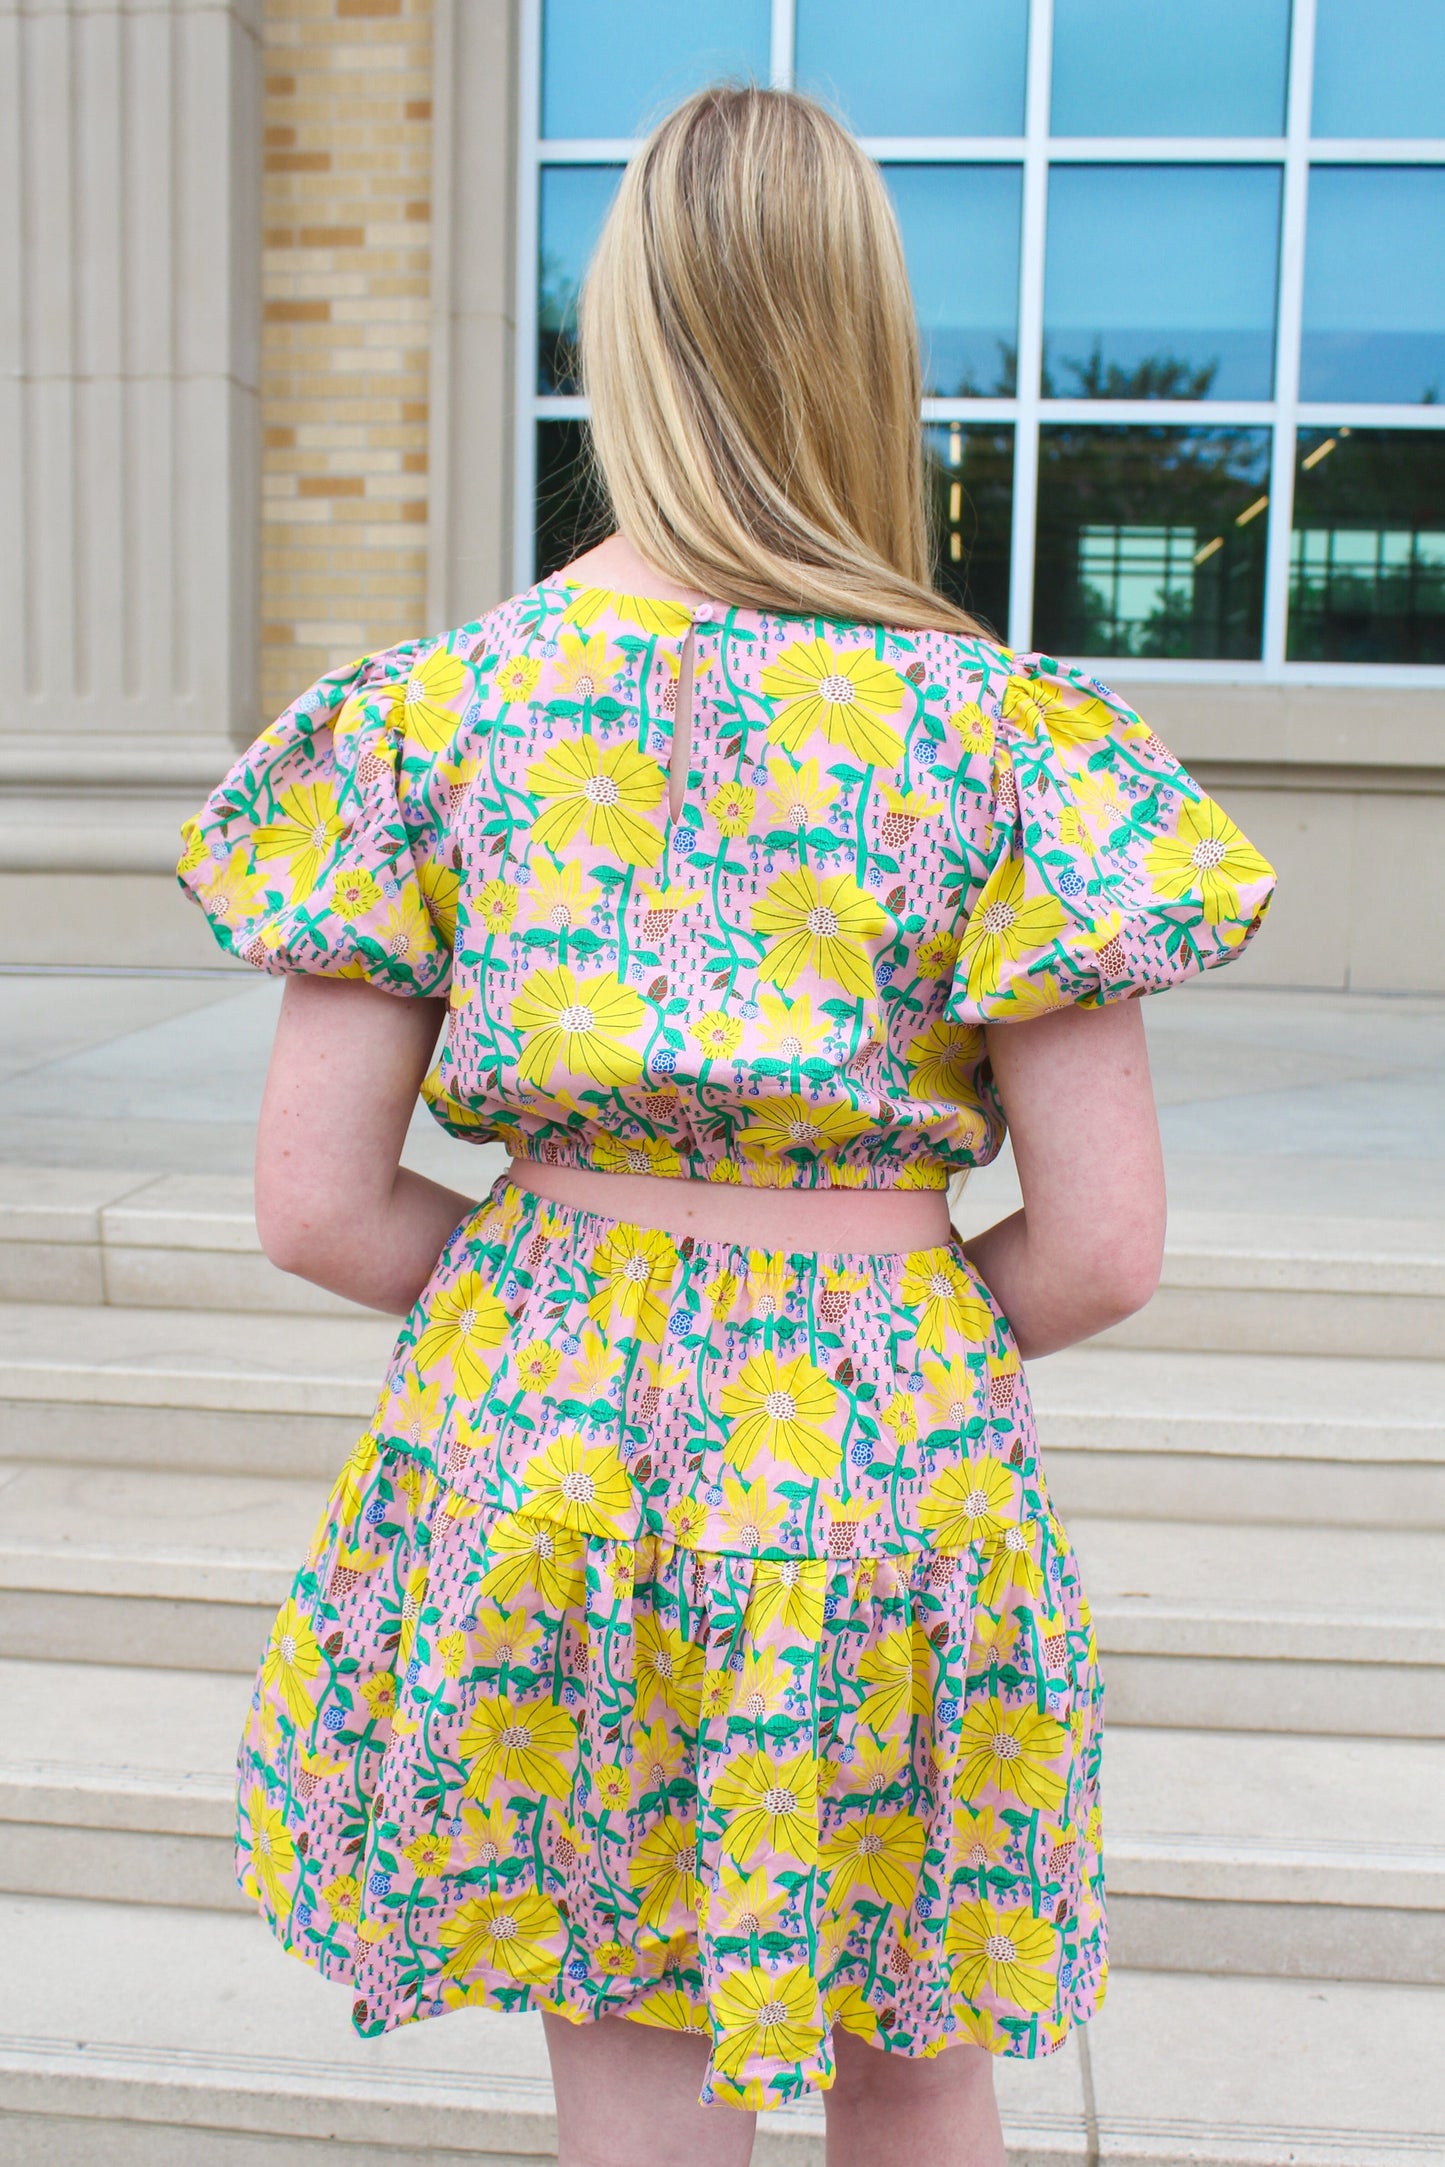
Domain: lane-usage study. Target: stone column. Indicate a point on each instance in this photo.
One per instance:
(129, 333)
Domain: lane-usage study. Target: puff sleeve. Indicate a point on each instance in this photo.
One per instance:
(326, 848)
(1107, 871)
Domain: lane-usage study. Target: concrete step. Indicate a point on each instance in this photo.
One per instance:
(1309, 1439)
(131, 2035)
(1227, 1851)
(1215, 1626)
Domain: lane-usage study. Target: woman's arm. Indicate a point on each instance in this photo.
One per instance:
(1087, 1246)
(333, 1202)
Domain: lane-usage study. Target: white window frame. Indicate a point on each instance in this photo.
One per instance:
(1034, 151)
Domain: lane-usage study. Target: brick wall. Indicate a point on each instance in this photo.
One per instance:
(344, 342)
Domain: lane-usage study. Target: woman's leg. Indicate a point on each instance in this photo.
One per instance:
(627, 2095)
(886, 2111)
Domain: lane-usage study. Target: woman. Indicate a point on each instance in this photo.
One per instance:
(690, 1640)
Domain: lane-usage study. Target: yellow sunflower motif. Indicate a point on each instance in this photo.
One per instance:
(944, 1302)
(936, 955)
(1012, 1568)
(354, 892)
(527, 1743)
(516, 679)
(792, 1123)
(236, 892)
(379, 1693)
(519, 1935)
(843, 691)
(656, 1758)
(350, 1485)
(790, 1029)
(602, 792)
(433, 699)
(582, 1486)
(413, 1598)
(440, 886)
(874, 1855)
(1206, 858)
(505, 1637)
(687, 1519)
(537, 1554)
(718, 1035)
(773, 2015)
(306, 829)
(897, 1671)
(751, 1514)
(789, 1592)
(464, 1321)
(798, 796)
(668, 1670)
(342, 1898)
(1004, 927)
(489, 1834)
(971, 1504)
(636, 1155)
(746, 1904)
(943, 1063)
(273, 1851)
(772, 1802)
(647, 612)
(405, 929)
(494, 906)
(1071, 724)
(612, 1786)
(782, 1409)
(430, 1855)
(1012, 1751)
(974, 728)
(292, 1662)
(820, 924)
(581, 1023)
(586, 669)
(674, 2010)
(664, 1870)
(732, 808)
(561, 896)
(1009, 1955)
(634, 1267)
(535, 1366)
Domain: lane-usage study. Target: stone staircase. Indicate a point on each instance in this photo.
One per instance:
(1253, 1472)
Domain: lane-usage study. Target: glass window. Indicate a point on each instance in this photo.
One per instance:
(918, 67)
(1374, 300)
(969, 469)
(572, 513)
(1151, 542)
(611, 70)
(1367, 556)
(574, 200)
(1160, 282)
(1191, 67)
(961, 236)
(1379, 67)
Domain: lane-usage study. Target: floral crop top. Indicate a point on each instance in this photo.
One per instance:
(888, 840)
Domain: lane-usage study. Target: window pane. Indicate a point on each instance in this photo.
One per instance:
(1160, 282)
(609, 70)
(961, 236)
(920, 67)
(1151, 542)
(574, 201)
(571, 512)
(970, 470)
(1379, 67)
(1191, 67)
(1374, 302)
(1367, 556)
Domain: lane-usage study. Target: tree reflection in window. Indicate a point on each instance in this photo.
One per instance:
(1367, 555)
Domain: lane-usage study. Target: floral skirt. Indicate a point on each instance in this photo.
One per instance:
(690, 1639)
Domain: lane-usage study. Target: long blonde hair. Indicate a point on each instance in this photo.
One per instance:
(749, 350)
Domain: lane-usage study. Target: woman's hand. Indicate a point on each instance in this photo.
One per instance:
(333, 1202)
(1087, 1246)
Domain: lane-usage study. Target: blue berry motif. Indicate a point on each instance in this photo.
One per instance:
(679, 1324)
(413, 1671)
(576, 1967)
(832, 1604)
(685, 839)
(334, 1719)
(375, 1512)
(860, 1452)
(1071, 882)
(947, 1710)
(884, 973)
(379, 1885)
(713, 1494)
(663, 1060)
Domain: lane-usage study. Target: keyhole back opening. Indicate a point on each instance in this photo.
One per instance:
(680, 755)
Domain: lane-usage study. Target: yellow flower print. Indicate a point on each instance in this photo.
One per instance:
(687, 1519)
(379, 1693)
(873, 1767)
(586, 669)
(516, 679)
(1011, 1751)
(1205, 858)
(636, 1155)
(656, 1758)
(505, 1637)
(974, 729)
(273, 1851)
(405, 930)
(510, 1934)
(668, 1669)
(595, 1364)
(770, 1274)
(582, 1486)
(342, 1898)
(775, 2015)
(1004, 928)
(634, 1267)
(494, 906)
(452, 1653)
(659, 906)
(603, 793)
(235, 893)
(790, 1029)
(717, 1695)
(350, 1484)
(896, 1671)
(875, 1855)
(536, 1365)
(821, 925)
(722, 1291)
(1072, 725)
(752, 1517)
(612, 1786)
(905, 809)
(413, 1598)
(306, 830)
(1028, 997)
(615, 1958)
(197, 848)
(761, 1687)
(675, 2010)
(725, 1170)
(782, 1409)
(292, 1662)
(440, 886)
(943, 1063)
(799, 797)
(581, 1023)
(981, 1836)
(970, 1504)
(465, 1321)
(791, 1123)
(936, 955)
(843, 691)
(717, 1034)
(901, 1416)
(354, 892)
(526, 1553)
(732, 807)
(789, 1592)
(1009, 1955)
(941, 1297)
(489, 1834)
(745, 1904)
(561, 896)
(664, 1870)
(530, 1743)
(1012, 1568)
(772, 1802)
(430, 1855)
(434, 698)
(648, 612)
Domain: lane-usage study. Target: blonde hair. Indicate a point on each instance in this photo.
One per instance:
(750, 353)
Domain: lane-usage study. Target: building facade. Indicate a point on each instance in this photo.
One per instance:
(289, 307)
